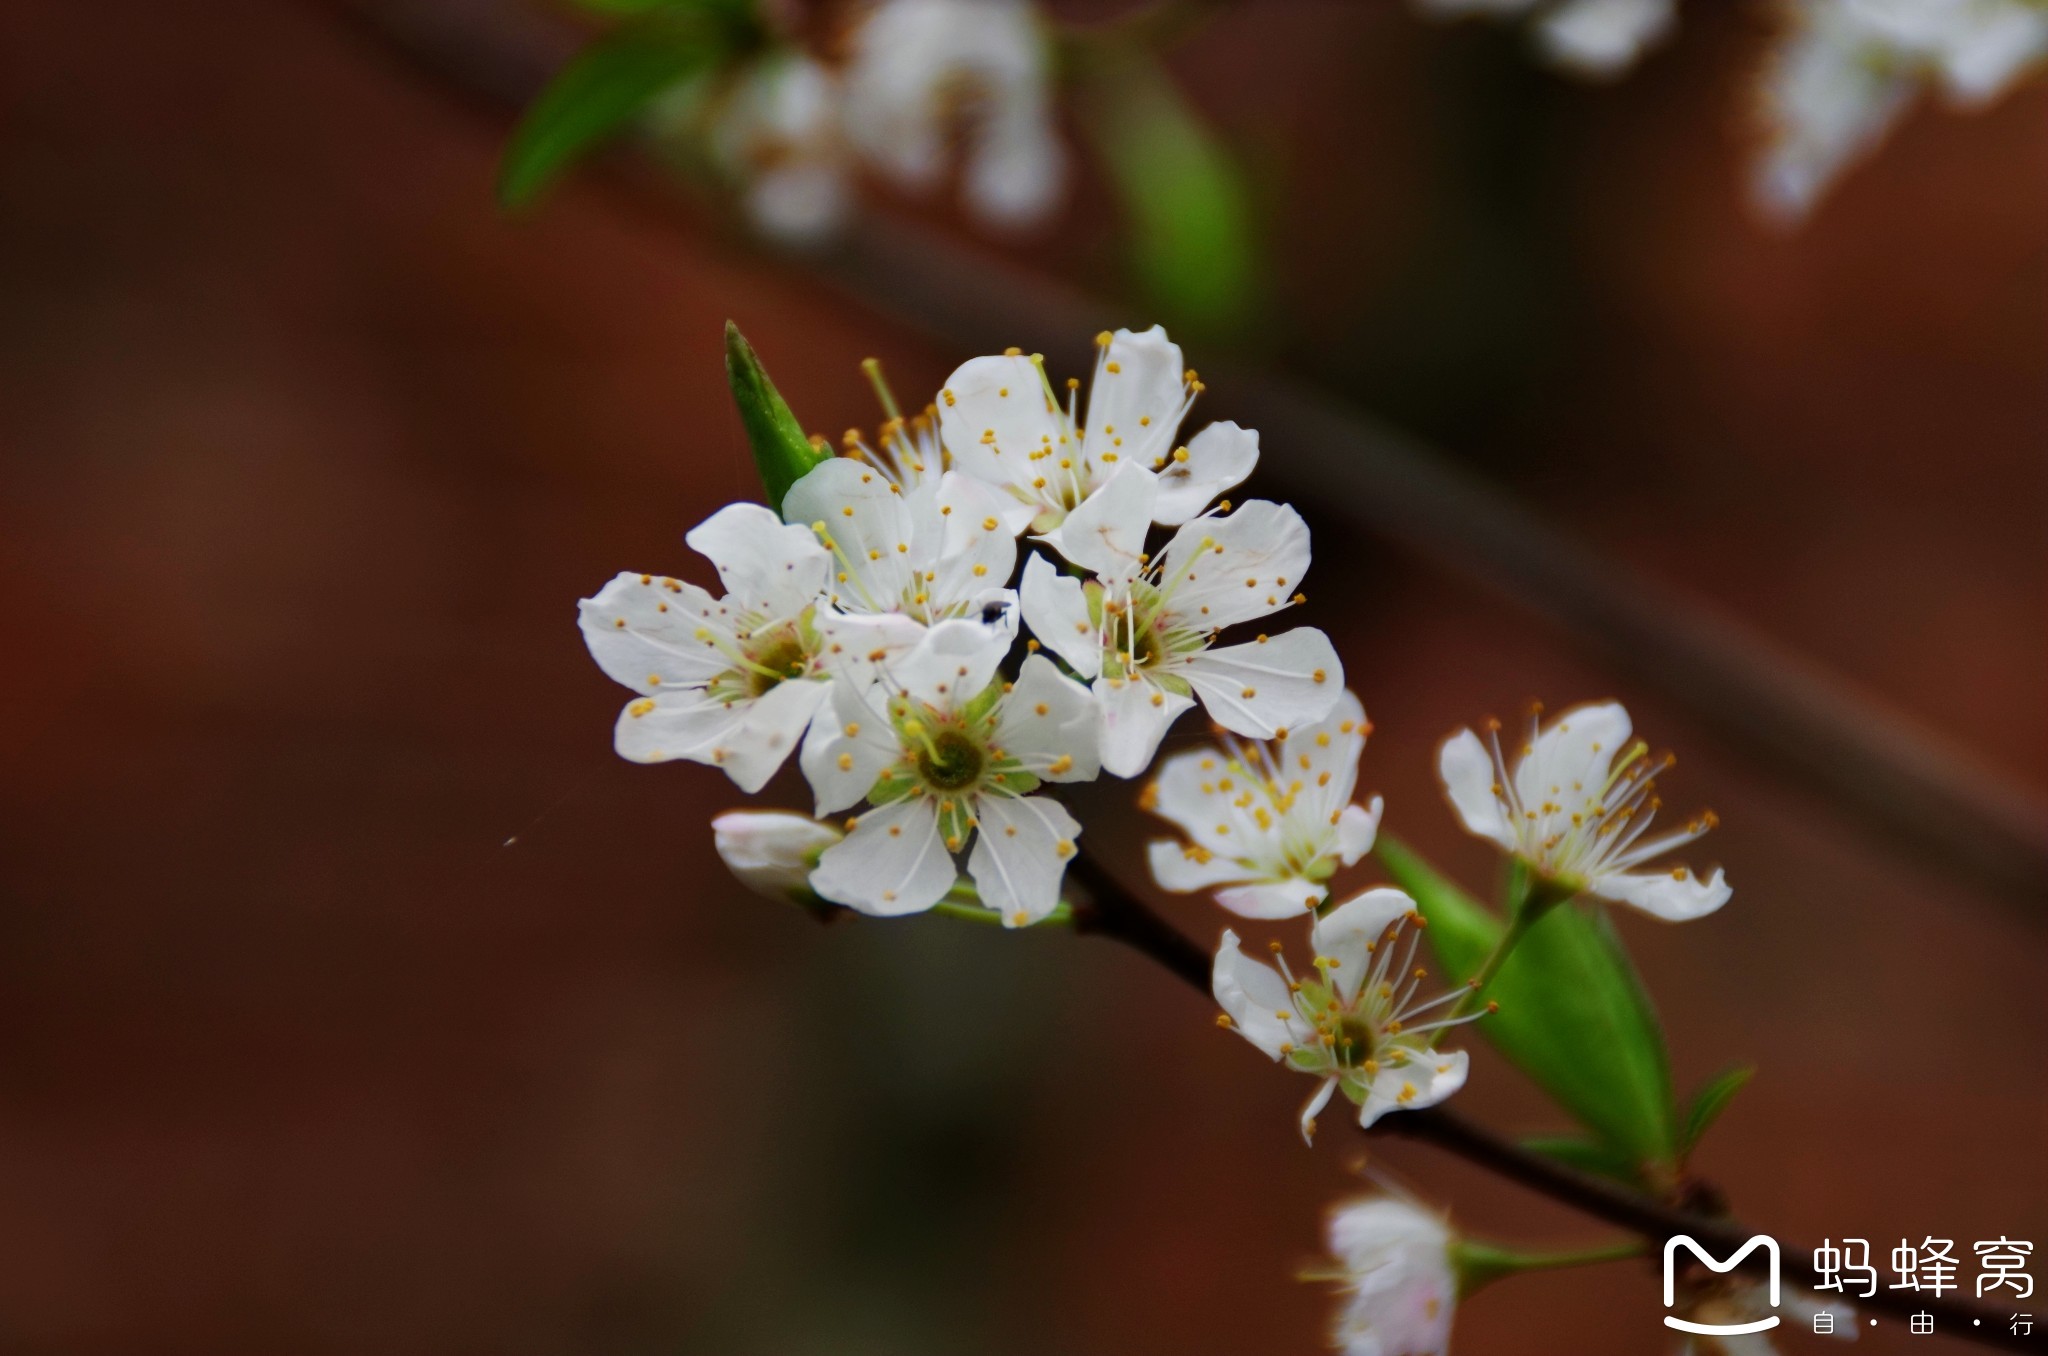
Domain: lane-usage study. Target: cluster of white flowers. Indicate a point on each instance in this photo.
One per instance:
(869, 624)
(914, 77)
(1848, 69)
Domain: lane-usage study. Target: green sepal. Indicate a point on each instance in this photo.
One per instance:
(984, 702)
(888, 789)
(1478, 1265)
(1573, 1014)
(783, 453)
(1709, 1103)
(1017, 781)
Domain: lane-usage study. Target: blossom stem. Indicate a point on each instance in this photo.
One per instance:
(1110, 910)
(1480, 1265)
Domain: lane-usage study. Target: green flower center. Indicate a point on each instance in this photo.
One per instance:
(952, 762)
(777, 657)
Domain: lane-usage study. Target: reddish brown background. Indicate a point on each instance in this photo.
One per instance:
(309, 453)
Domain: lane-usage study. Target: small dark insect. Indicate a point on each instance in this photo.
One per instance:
(991, 613)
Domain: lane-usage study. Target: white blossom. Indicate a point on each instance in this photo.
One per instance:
(729, 681)
(1847, 69)
(936, 551)
(1267, 825)
(1143, 630)
(923, 75)
(1577, 806)
(1399, 1283)
(772, 852)
(946, 753)
(1351, 1021)
(1002, 423)
(1598, 39)
(778, 132)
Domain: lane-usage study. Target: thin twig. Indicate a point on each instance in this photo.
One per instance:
(1111, 910)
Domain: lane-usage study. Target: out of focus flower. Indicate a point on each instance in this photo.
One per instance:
(947, 754)
(919, 77)
(1267, 825)
(1399, 1283)
(1599, 39)
(935, 552)
(924, 75)
(1002, 423)
(778, 133)
(1576, 806)
(1143, 631)
(1352, 1020)
(772, 852)
(1847, 69)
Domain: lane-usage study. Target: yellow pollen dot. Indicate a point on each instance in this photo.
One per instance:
(988, 524)
(1065, 847)
(1223, 1020)
(1061, 765)
(1113, 367)
(895, 830)
(1250, 692)
(1320, 676)
(641, 707)
(846, 512)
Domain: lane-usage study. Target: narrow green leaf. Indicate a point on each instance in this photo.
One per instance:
(782, 452)
(1183, 198)
(1709, 1103)
(1573, 1014)
(606, 85)
(1587, 1155)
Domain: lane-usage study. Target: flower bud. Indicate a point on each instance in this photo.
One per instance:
(772, 852)
(782, 452)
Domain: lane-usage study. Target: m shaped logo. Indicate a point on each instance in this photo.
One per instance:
(1764, 1241)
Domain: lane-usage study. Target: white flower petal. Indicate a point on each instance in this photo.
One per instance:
(1314, 1108)
(1247, 564)
(1423, 1079)
(869, 522)
(1056, 610)
(1191, 796)
(1185, 869)
(1263, 687)
(1467, 771)
(1603, 38)
(1047, 717)
(973, 556)
(748, 739)
(952, 664)
(1289, 898)
(1219, 457)
(1402, 1288)
(1676, 896)
(849, 746)
(769, 566)
(1021, 849)
(1136, 400)
(1135, 718)
(1572, 755)
(1357, 827)
(1348, 933)
(771, 851)
(657, 646)
(994, 415)
(1015, 173)
(894, 862)
(1254, 995)
(1105, 535)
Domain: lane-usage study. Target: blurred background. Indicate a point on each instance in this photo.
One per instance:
(355, 997)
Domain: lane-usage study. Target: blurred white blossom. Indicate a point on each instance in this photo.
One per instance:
(1351, 1020)
(1398, 1281)
(779, 134)
(1267, 825)
(1598, 39)
(1577, 805)
(947, 752)
(1847, 69)
(772, 852)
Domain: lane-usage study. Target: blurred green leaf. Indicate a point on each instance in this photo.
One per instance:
(1587, 1155)
(1573, 1014)
(1183, 198)
(1709, 1103)
(611, 81)
(782, 452)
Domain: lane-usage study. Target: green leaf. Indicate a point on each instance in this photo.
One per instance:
(782, 452)
(1183, 198)
(607, 84)
(1573, 1014)
(1709, 1103)
(1587, 1155)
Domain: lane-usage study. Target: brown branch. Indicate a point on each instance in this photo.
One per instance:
(1111, 910)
